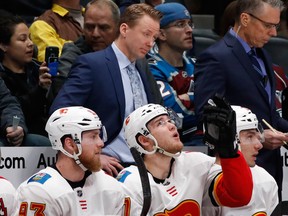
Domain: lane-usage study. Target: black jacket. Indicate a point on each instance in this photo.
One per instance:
(9, 107)
(32, 98)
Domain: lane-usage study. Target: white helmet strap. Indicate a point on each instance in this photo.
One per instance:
(78, 162)
(161, 150)
(76, 156)
(154, 148)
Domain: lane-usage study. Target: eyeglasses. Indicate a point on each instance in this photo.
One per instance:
(164, 122)
(267, 25)
(181, 25)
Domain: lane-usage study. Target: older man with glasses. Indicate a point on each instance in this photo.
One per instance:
(173, 69)
(238, 68)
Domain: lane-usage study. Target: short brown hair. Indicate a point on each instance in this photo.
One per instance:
(136, 11)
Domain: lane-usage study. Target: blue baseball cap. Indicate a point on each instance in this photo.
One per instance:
(172, 12)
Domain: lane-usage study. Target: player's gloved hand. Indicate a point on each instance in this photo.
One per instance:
(220, 127)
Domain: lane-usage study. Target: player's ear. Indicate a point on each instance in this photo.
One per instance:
(162, 35)
(69, 145)
(144, 141)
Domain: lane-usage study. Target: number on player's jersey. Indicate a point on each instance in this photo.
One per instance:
(38, 208)
(164, 92)
(3, 209)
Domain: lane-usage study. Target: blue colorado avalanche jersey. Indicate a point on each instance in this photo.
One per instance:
(173, 82)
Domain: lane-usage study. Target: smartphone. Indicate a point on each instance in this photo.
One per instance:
(51, 58)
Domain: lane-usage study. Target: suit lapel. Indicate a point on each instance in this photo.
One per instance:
(114, 70)
(239, 52)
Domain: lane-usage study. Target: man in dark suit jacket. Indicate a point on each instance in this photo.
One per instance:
(227, 69)
(99, 81)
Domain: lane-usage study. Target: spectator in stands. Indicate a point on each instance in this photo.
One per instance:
(281, 88)
(22, 75)
(233, 69)
(101, 81)
(178, 180)
(62, 23)
(9, 107)
(265, 191)
(7, 195)
(75, 185)
(174, 70)
(12, 134)
(101, 23)
(29, 9)
(189, 4)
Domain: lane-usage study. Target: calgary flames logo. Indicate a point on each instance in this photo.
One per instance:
(127, 120)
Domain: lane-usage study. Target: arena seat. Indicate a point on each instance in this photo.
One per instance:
(278, 49)
(202, 43)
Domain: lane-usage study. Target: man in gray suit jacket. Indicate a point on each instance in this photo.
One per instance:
(100, 81)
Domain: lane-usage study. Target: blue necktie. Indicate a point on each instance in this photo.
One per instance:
(135, 85)
(262, 75)
(256, 65)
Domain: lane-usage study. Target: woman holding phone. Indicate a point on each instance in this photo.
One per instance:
(27, 79)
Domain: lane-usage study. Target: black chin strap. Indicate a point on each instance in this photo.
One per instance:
(144, 181)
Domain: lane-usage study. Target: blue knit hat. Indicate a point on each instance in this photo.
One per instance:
(172, 12)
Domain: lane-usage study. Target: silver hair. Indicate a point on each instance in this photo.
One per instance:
(255, 6)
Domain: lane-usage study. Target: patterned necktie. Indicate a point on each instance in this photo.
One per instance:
(135, 85)
(261, 74)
